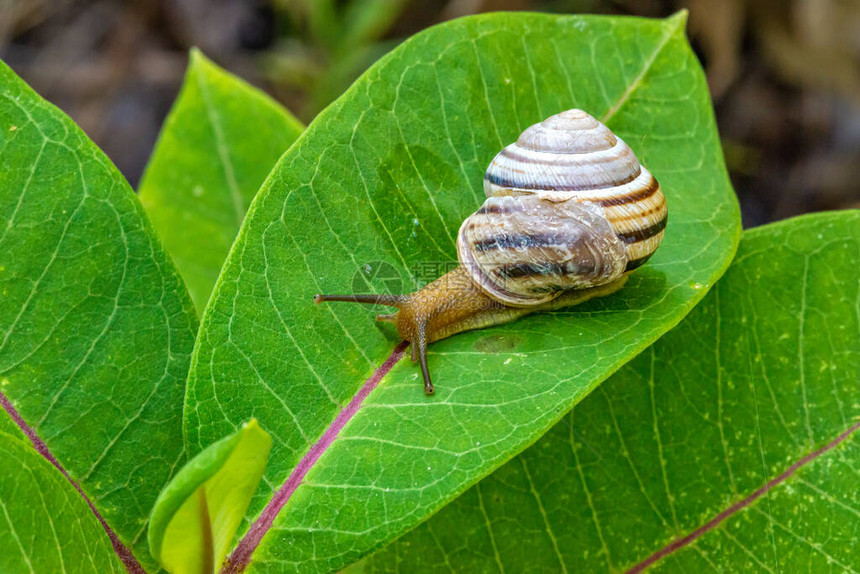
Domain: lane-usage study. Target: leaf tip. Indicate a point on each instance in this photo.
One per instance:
(252, 427)
(197, 59)
(679, 19)
(198, 64)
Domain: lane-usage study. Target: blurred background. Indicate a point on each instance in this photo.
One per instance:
(784, 74)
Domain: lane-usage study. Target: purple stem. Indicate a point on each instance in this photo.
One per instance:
(241, 556)
(128, 559)
(740, 505)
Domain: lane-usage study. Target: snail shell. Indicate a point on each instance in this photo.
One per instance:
(569, 207)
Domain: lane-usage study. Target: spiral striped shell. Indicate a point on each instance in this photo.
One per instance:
(569, 207)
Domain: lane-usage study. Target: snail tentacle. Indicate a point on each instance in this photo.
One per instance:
(370, 299)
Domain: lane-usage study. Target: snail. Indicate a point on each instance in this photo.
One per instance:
(569, 213)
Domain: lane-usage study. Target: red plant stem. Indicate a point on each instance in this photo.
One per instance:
(241, 556)
(128, 559)
(740, 505)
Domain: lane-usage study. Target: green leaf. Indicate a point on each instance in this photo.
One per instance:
(387, 174)
(761, 375)
(7, 425)
(219, 142)
(45, 525)
(96, 328)
(197, 514)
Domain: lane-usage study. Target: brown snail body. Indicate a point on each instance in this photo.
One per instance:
(570, 211)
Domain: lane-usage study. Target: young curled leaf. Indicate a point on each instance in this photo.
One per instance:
(197, 514)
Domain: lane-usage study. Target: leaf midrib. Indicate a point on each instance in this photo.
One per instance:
(680, 543)
(241, 556)
(677, 23)
(223, 153)
(121, 550)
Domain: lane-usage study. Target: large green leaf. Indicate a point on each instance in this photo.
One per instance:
(387, 173)
(219, 142)
(761, 375)
(45, 525)
(96, 328)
